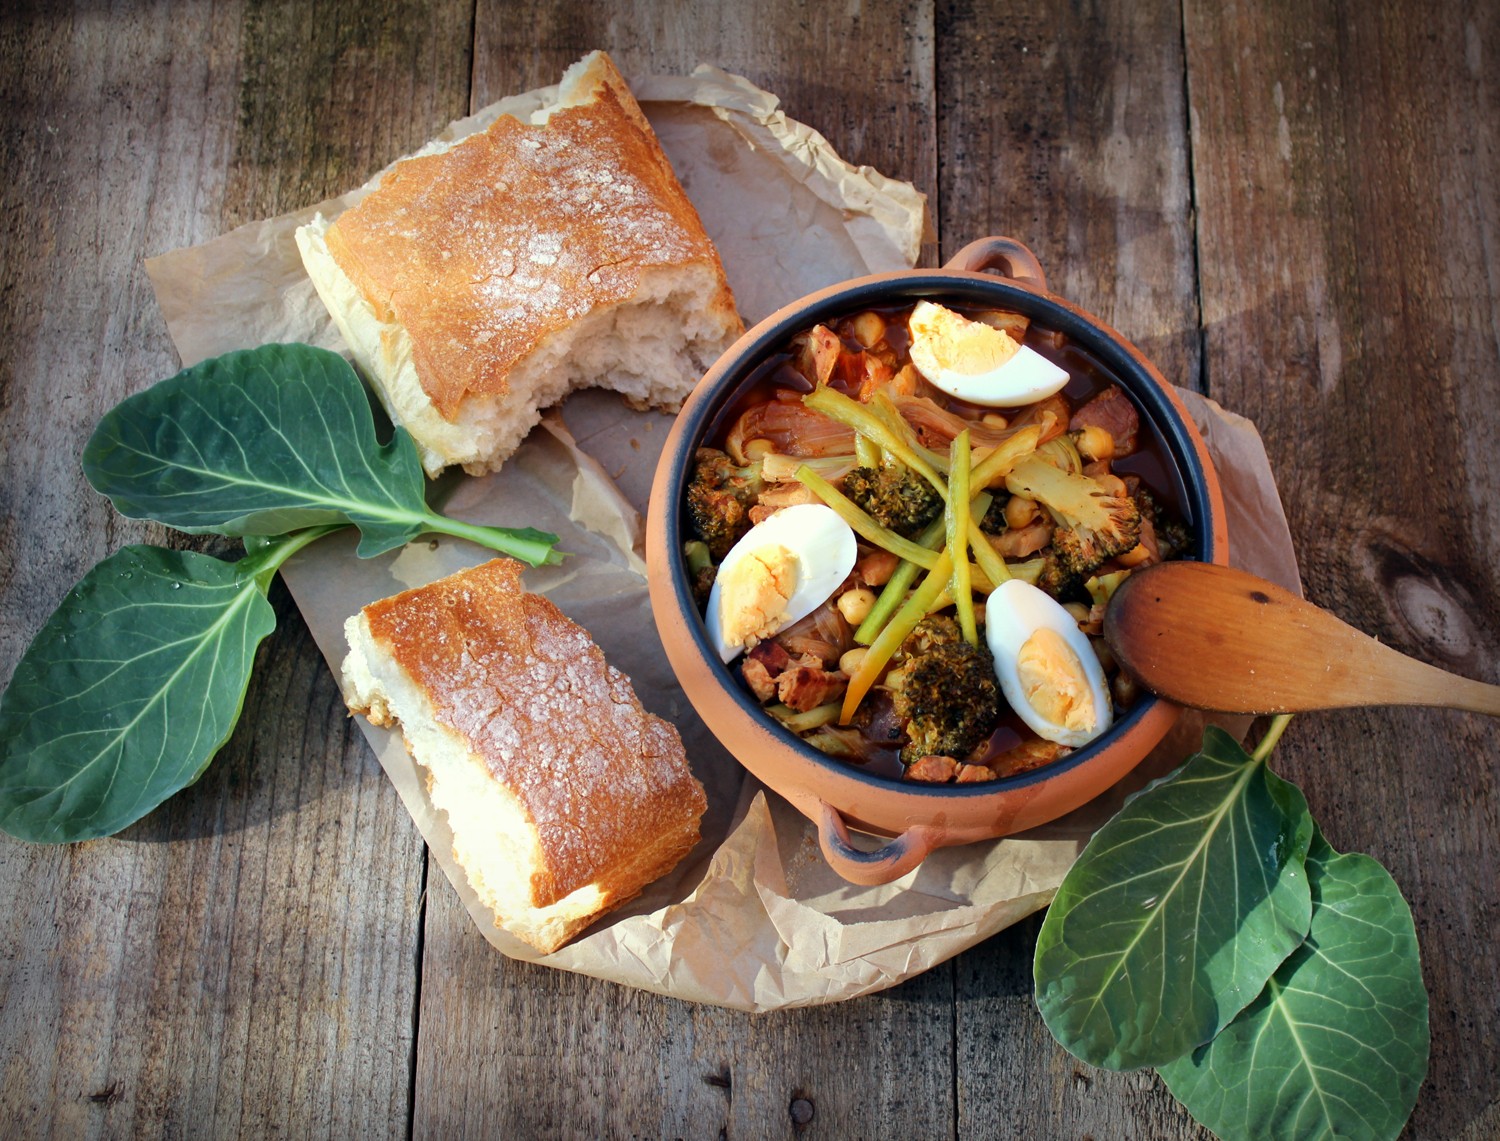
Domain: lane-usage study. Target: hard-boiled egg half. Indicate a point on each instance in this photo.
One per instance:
(1045, 665)
(780, 571)
(977, 363)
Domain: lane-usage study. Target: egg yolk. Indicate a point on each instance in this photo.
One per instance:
(942, 339)
(1053, 680)
(754, 592)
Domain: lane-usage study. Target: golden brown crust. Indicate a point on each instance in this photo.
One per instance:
(605, 783)
(483, 251)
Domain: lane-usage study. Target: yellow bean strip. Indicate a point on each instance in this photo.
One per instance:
(867, 451)
(894, 591)
(853, 414)
(814, 718)
(901, 624)
(887, 413)
(985, 555)
(996, 464)
(958, 522)
(851, 513)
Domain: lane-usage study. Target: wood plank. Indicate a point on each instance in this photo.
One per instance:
(861, 74)
(1346, 162)
(1012, 1076)
(513, 1049)
(510, 1049)
(243, 961)
(1067, 128)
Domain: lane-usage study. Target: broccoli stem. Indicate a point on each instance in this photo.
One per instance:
(697, 555)
(958, 520)
(901, 624)
(775, 467)
(850, 513)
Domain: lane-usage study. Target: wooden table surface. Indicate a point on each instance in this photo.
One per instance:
(1291, 206)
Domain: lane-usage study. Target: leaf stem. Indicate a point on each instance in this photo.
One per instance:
(266, 559)
(536, 548)
(1273, 734)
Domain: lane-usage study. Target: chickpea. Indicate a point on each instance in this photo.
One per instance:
(850, 659)
(1105, 655)
(876, 568)
(1096, 443)
(855, 605)
(1124, 689)
(1019, 511)
(868, 328)
(758, 448)
(1078, 610)
(1134, 557)
(1112, 484)
(1013, 323)
(994, 420)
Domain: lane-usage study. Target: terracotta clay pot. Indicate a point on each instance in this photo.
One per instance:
(837, 796)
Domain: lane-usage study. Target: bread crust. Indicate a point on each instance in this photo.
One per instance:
(484, 251)
(603, 786)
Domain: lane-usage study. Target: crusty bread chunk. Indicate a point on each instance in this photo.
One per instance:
(484, 281)
(565, 797)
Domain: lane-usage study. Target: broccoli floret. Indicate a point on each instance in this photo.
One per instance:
(1173, 537)
(1093, 526)
(944, 691)
(1058, 579)
(719, 499)
(895, 497)
(994, 522)
(701, 571)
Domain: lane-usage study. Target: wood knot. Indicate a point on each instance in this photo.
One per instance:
(1435, 609)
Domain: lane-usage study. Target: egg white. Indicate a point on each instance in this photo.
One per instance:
(1023, 378)
(1012, 613)
(824, 549)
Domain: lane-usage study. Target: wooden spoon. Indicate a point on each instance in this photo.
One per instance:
(1212, 637)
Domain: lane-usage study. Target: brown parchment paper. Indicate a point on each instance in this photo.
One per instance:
(753, 919)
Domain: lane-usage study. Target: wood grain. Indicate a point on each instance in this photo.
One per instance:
(245, 959)
(1289, 206)
(511, 1049)
(861, 74)
(1066, 127)
(1345, 162)
(637, 1064)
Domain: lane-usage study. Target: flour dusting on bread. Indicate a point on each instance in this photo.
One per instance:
(481, 282)
(565, 797)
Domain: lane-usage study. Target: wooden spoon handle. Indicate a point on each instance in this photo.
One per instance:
(1211, 637)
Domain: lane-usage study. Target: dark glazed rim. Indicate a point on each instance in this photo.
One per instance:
(729, 378)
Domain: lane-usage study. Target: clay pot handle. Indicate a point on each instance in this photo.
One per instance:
(888, 862)
(1010, 257)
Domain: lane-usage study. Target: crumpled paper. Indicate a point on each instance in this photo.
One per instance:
(753, 918)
